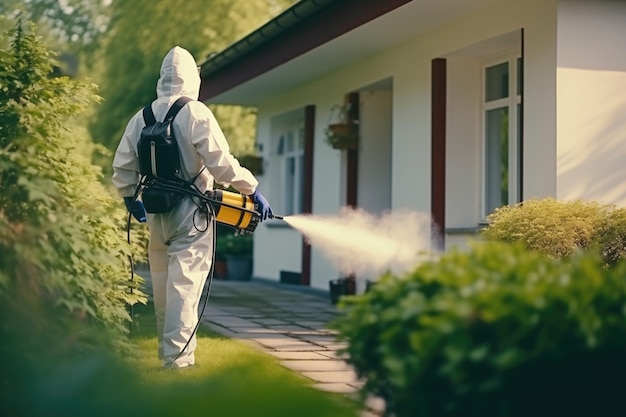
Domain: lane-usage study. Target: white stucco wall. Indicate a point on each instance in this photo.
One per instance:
(409, 65)
(463, 144)
(591, 136)
(374, 187)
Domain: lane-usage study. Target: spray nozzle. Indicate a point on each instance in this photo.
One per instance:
(276, 216)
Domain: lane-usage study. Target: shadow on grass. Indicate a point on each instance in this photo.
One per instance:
(231, 379)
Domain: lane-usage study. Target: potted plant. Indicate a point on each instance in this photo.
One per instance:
(238, 254)
(342, 132)
(220, 269)
(341, 286)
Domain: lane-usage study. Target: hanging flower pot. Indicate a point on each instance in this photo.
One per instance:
(344, 132)
(342, 136)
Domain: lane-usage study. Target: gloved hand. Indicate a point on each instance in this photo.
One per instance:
(262, 205)
(135, 207)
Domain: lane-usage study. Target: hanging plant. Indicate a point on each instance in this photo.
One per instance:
(342, 133)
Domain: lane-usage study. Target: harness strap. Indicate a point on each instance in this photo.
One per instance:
(178, 104)
(148, 114)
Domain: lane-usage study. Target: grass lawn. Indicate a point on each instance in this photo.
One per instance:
(230, 379)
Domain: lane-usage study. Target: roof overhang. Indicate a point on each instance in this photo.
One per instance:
(315, 37)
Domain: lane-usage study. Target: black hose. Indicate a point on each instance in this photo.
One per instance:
(132, 277)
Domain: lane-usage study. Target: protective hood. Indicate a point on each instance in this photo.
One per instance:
(179, 75)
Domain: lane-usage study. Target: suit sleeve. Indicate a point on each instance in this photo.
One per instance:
(209, 140)
(126, 163)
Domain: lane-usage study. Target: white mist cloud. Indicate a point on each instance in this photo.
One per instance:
(360, 243)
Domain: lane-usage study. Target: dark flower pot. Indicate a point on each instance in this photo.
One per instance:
(339, 287)
(239, 267)
(221, 270)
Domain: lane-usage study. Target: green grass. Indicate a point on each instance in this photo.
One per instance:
(230, 378)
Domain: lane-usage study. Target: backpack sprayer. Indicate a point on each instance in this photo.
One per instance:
(229, 208)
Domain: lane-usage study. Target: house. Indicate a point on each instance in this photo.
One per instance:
(461, 106)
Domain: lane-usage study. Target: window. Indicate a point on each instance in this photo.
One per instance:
(291, 152)
(502, 123)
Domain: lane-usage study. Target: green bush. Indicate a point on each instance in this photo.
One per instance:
(64, 273)
(236, 245)
(494, 331)
(560, 228)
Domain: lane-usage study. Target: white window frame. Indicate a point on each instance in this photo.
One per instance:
(511, 102)
(291, 201)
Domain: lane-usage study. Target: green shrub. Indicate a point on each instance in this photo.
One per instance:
(560, 228)
(232, 245)
(494, 331)
(64, 274)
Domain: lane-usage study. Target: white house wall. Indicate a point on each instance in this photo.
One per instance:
(409, 66)
(374, 187)
(463, 142)
(591, 138)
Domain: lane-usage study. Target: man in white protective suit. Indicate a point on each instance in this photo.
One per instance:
(179, 252)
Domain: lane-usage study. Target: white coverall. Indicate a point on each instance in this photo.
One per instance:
(180, 256)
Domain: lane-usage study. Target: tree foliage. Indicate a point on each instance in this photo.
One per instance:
(140, 34)
(63, 272)
(76, 22)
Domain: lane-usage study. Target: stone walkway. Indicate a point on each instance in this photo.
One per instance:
(290, 323)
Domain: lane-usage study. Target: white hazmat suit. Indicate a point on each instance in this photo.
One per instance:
(180, 256)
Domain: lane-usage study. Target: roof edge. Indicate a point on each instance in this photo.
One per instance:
(299, 29)
(270, 30)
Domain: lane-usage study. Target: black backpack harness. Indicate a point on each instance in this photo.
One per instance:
(159, 161)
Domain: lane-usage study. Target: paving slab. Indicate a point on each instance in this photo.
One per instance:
(273, 322)
(298, 355)
(331, 354)
(316, 365)
(338, 388)
(331, 376)
(230, 321)
(255, 330)
(291, 345)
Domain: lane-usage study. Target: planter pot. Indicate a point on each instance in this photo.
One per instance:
(339, 287)
(342, 136)
(220, 270)
(239, 267)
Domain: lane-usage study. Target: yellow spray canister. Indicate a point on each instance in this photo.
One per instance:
(235, 210)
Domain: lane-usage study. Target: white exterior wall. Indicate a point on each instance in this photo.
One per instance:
(409, 66)
(591, 136)
(374, 187)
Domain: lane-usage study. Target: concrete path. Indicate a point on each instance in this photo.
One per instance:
(290, 323)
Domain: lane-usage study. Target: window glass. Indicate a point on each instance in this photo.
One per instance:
(520, 161)
(497, 82)
(520, 75)
(291, 171)
(290, 182)
(497, 148)
(300, 138)
(299, 196)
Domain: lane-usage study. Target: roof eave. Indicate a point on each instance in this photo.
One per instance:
(301, 28)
